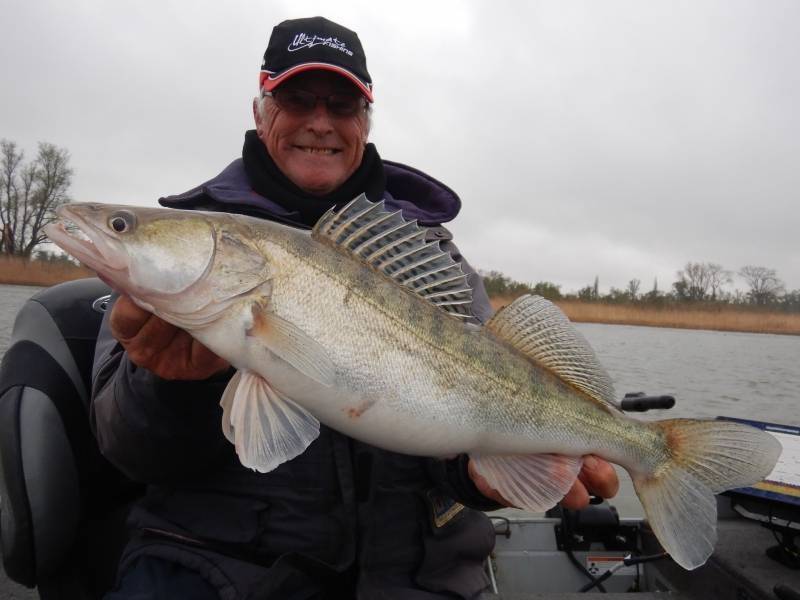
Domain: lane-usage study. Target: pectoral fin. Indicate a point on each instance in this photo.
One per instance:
(534, 482)
(266, 427)
(292, 345)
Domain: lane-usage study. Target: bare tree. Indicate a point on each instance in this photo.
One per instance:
(633, 288)
(693, 281)
(29, 193)
(698, 281)
(763, 282)
(717, 277)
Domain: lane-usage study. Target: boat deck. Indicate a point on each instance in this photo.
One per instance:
(528, 566)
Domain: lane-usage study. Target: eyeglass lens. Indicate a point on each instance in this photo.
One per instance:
(301, 102)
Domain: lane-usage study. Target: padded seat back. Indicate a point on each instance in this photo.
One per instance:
(63, 505)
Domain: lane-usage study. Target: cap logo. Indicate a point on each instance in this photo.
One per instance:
(303, 40)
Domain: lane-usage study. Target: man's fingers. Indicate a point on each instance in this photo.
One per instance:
(127, 319)
(577, 497)
(185, 359)
(599, 477)
(143, 335)
(155, 336)
(139, 330)
(163, 348)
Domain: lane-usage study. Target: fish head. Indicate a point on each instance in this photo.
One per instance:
(164, 259)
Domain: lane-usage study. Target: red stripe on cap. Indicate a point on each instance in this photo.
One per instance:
(269, 83)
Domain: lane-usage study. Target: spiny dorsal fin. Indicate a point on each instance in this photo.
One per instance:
(538, 329)
(396, 247)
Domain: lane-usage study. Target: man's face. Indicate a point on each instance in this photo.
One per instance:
(316, 151)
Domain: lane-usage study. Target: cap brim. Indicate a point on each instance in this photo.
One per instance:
(270, 81)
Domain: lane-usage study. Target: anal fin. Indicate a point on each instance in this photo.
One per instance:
(534, 482)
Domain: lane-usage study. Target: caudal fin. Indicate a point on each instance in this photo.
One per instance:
(704, 458)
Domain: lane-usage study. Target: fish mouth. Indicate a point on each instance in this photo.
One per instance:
(87, 242)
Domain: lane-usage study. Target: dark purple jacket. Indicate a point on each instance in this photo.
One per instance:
(341, 515)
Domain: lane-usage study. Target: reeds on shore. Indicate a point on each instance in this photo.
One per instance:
(21, 271)
(17, 270)
(715, 317)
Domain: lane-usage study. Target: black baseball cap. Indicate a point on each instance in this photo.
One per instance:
(301, 45)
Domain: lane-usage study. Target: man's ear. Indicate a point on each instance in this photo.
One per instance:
(258, 117)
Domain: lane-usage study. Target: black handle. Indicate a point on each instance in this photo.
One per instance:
(638, 402)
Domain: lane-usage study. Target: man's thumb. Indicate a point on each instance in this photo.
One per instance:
(127, 319)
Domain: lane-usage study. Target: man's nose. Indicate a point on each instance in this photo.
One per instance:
(320, 119)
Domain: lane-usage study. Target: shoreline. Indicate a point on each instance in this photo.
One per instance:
(19, 271)
(734, 319)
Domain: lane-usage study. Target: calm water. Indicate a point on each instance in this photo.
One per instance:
(12, 297)
(710, 373)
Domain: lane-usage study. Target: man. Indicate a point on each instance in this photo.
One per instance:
(343, 519)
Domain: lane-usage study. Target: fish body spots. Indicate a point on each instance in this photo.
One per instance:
(355, 412)
(261, 325)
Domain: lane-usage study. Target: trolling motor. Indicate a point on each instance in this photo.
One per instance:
(640, 402)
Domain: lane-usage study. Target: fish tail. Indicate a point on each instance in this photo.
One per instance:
(701, 458)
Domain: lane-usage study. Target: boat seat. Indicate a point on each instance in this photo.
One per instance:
(63, 505)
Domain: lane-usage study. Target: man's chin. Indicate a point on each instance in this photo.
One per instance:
(318, 184)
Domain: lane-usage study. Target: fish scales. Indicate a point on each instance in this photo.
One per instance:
(417, 361)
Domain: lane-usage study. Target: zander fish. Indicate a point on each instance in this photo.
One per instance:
(365, 326)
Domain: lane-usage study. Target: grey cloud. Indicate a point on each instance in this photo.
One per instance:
(621, 138)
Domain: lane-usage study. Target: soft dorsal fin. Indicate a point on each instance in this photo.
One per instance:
(396, 247)
(537, 328)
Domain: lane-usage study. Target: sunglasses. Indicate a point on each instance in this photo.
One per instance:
(301, 102)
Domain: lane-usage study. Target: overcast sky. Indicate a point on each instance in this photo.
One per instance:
(617, 139)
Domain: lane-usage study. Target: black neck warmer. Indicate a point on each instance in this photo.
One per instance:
(270, 182)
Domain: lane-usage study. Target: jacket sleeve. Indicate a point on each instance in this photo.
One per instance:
(154, 430)
(453, 475)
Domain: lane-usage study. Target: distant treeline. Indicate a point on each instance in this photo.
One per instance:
(697, 284)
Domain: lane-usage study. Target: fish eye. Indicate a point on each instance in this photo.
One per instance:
(122, 221)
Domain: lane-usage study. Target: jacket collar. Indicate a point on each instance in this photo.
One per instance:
(417, 194)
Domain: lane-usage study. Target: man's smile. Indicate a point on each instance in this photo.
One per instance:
(317, 150)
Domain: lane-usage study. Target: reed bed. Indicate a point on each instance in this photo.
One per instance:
(718, 318)
(21, 271)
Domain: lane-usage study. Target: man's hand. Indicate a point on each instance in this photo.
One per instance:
(158, 346)
(597, 477)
